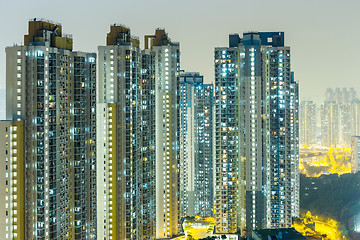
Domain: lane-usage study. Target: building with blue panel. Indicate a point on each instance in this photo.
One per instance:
(196, 165)
(265, 103)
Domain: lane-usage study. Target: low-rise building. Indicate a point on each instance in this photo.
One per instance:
(277, 234)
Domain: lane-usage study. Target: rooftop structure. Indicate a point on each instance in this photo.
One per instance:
(41, 31)
(277, 234)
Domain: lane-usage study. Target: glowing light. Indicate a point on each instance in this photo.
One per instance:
(333, 160)
(316, 226)
(198, 228)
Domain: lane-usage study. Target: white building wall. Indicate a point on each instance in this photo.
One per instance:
(102, 193)
(166, 87)
(191, 156)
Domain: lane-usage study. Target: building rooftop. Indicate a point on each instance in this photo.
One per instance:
(120, 35)
(191, 77)
(274, 39)
(37, 34)
(277, 234)
(160, 38)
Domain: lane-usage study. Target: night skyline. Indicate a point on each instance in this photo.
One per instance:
(179, 120)
(320, 32)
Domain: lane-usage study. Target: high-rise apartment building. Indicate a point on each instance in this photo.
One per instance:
(83, 146)
(307, 126)
(138, 137)
(118, 149)
(225, 152)
(12, 176)
(257, 156)
(167, 133)
(52, 89)
(268, 134)
(196, 139)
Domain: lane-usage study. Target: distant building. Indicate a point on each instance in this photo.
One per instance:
(196, 141)
(340, 117)
(307, 126)
(340, 96)
(277, 234)
(355, 154)
(355, 118)
(330, 124)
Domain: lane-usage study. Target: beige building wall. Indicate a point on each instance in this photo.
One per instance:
(12, 179)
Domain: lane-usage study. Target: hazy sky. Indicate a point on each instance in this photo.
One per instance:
(324, 35)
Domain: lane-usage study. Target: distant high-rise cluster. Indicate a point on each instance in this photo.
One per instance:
(338, 119)
(340, 115)
(340, 96)
(123, 145)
